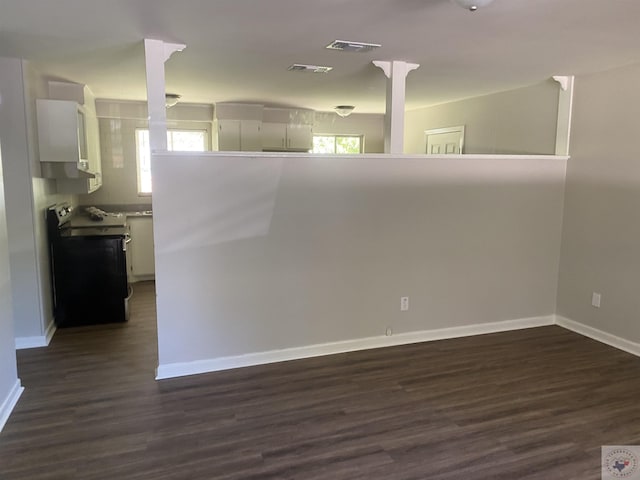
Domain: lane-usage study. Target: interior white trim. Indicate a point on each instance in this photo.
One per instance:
(30, 342)
(360, 156)
(23, 343)
(598, 335)
(10, 402)
(50, 331)
(181, 369)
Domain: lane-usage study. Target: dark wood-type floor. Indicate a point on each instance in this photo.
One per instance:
(532, 404)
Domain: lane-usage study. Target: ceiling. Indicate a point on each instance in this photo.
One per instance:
(239, 50)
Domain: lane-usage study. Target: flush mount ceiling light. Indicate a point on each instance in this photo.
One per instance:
(170, 99)
(299, 67)
(473, 5)
(344, 110)
(348, 46)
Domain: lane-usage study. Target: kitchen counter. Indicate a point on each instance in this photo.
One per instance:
(143, 213)
(132, 210)
(95, 231)
(85, 221)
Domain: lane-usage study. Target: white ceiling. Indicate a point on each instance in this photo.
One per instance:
(239, 50)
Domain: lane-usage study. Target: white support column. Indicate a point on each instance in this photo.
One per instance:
(156, 53)
(565, 109)
(396, 72)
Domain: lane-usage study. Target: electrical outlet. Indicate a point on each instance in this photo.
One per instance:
(595, 300)
(404, 304)
(389, 331)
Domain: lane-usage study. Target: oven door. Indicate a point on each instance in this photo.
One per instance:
(90, 278)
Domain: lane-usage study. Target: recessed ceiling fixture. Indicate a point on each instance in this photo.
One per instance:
(473, 5)
(348, 46)
(344, 110)
(170, 99)
(299, 67)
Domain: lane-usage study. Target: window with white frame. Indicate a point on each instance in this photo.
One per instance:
(337, 144)
(177, 140)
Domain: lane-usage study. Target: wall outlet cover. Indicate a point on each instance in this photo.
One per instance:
(404, 304)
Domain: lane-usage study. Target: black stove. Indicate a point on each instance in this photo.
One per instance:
(88, 267)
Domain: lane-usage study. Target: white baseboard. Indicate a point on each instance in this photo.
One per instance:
(171, 370)
(30, 342)
(48, 334)
(10, 402)
(599, 335)
(36, 342)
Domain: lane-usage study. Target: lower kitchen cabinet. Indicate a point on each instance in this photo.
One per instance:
(140, 250)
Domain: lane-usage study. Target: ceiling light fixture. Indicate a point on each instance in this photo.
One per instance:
(473, 5)
(170, 99)
(344, 110)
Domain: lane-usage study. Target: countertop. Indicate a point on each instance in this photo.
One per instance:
(84, 221)
(125, 210)
(95, 231)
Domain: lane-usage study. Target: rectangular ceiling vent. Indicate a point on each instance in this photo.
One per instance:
(299, 67)
(347, 46)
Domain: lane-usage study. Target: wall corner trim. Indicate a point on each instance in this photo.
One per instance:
(49, 332)
(598, 335)
(171, 370)
(10, 402)
(22, 343)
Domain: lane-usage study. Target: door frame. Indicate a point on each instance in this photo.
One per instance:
(439, 131)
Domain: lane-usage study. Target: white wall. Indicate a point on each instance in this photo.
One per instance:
(264, 253)
(601, 232)
(369, 125)
(9, 383)
(119, 174)
(118, 123)
(44, 194)
(26, 198)
(521, 121)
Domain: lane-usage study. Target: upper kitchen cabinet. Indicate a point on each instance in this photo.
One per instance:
(285, 129)
(238, 127)
(282, 137)
(69, 145)
(239, 135)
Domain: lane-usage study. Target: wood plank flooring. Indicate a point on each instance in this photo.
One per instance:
(531, 404)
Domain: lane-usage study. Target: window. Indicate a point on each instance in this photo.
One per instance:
(340, 144)
(177, 140)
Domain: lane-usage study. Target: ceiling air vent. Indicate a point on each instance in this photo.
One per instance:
(347, 46)
(298, 67)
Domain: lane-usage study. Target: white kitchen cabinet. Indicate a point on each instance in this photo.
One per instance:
(69, 145)
(282, 136)
(140, 250)
(239, 135)
(299, 137)
(274, 136)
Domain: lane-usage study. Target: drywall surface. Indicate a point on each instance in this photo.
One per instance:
(267, 252)
(19, 201)
(27, 196)
(601, 232)
(44, 194)
(8, 370)
(521, 121)
(370, 126)
(119, 163)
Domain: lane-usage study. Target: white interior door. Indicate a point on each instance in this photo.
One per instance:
(445, 141)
